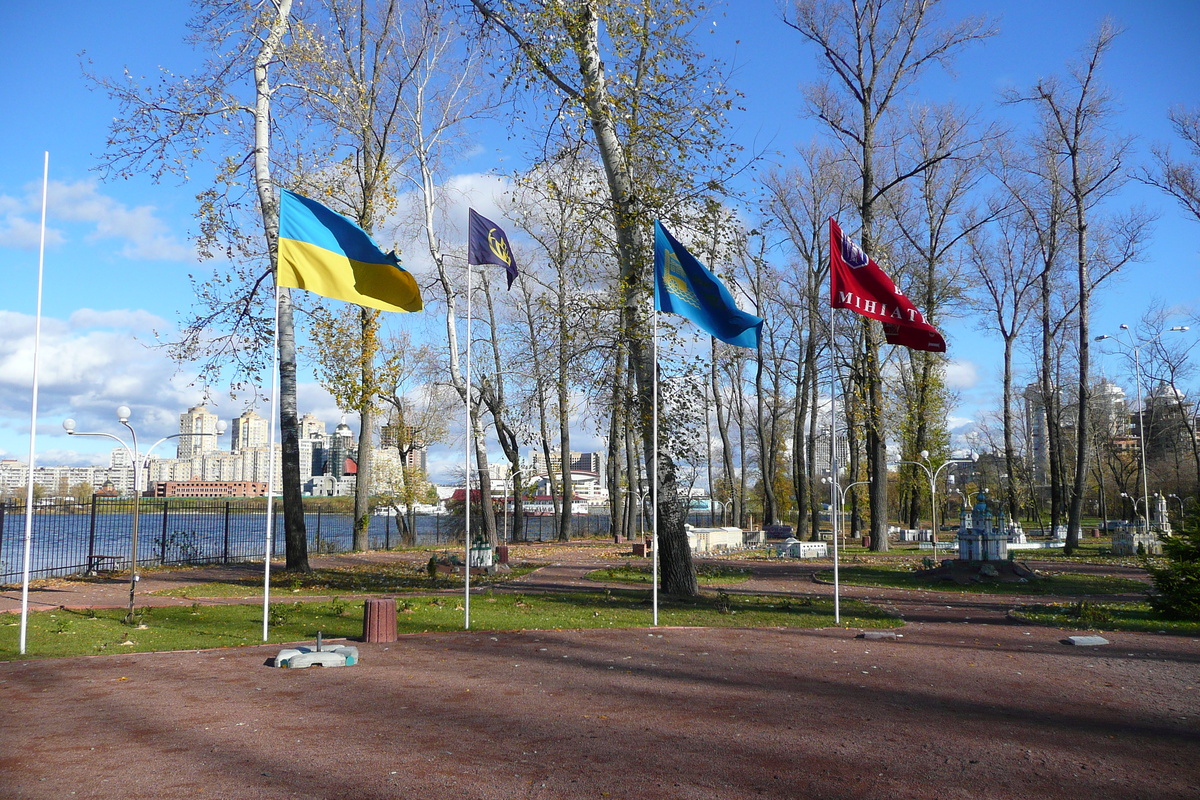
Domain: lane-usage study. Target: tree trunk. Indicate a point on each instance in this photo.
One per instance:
(362, 478)
(295, 537)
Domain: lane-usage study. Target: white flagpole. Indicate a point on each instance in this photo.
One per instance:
(37, 344)
(271, 470)
(835, 484)
(467, 469)
(654, 467)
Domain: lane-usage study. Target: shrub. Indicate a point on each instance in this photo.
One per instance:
(1177, 584)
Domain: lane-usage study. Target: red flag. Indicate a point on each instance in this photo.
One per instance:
(856, 282)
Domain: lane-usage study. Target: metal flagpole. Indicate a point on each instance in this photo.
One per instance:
(834, 481)
(37, 343)
(271, 470)
(467, 468)
(654, 467)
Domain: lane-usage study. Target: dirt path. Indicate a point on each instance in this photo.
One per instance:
(963, 705)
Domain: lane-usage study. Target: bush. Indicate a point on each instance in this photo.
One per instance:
(1177, 584)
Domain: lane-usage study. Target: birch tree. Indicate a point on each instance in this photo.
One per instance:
(446, 92)
(646, 146)
(362, 53)
(169, 127)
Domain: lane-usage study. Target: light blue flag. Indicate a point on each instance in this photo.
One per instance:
(683, 286)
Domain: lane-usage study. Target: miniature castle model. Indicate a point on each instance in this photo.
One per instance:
(982, 535)
(1138, 541)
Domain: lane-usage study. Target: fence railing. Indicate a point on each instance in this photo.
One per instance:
(69, 538)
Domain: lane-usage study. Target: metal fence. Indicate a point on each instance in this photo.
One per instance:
(69, 538)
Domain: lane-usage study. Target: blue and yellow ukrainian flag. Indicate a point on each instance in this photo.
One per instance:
(323, 252)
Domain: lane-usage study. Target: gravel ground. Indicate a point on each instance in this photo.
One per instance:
(963, 705)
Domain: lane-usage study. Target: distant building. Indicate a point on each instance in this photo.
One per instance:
(1110, 412)
(248, 431)
(1037, 434)
(578, 462)
(208, 489)
(1165, 419)
(198, 429)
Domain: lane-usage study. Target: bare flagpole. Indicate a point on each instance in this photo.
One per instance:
(37, 344)
(271, 469)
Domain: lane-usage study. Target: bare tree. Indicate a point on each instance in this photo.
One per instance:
(801, 200)
(874, 51)
(1074, 118)
(1005, 258)
(1179, 177)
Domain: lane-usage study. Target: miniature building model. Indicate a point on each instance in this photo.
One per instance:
(983, 535)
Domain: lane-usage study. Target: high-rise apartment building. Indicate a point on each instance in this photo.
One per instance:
(198, 427)
(1037, 433)
(249, 430)
(578, 462)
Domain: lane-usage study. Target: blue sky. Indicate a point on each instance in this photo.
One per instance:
(118, 254)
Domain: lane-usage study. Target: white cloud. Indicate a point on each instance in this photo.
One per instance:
(135, 321)
(962, 374)
(23, 233)
(139, 230)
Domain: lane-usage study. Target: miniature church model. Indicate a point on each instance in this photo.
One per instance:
(983, 535)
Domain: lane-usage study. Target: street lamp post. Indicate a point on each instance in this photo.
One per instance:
(1137, 376)
(1133, 502)
(641, 496)
(724, 504)
(932, 474)
(841, 495)
(136, 460)
(1179, 500)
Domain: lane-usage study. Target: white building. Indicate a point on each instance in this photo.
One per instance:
(586, 486)
(248, 431)
(198, 429)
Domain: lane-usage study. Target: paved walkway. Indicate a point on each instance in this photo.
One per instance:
(965, 706)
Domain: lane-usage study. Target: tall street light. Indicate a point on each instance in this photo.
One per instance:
(1133, 501)
(1179, 500)
(836, 524)
(724, 504)
(841, 495)
(1136, 349)
(927, 466)
(136, 460)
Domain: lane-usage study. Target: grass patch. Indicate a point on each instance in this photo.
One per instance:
(1049, 583)
(1104, 617)
(707, 574)
(65, 633)
(345, 580)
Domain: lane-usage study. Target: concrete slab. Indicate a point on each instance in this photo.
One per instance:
(1086, 641)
